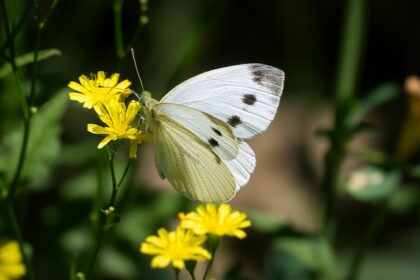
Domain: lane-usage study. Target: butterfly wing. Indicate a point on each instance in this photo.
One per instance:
(217, 135)
(244, 96)
(243, 165)
(186, 157)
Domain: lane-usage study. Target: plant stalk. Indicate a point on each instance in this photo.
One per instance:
(350, 56)
(372, 231)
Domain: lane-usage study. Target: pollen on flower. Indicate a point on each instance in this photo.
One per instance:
(98, 90)
(174, 248)
(208, 219)
(11, 266)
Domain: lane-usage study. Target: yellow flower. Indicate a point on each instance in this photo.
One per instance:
(98, 90)
(210, 220)
(118, 119)
(174, 248)
(11, 266)
(137, 141)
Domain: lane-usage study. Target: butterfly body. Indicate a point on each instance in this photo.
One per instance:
(198, 128)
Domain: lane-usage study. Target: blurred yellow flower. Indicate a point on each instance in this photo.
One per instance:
(174, 248)
(218, 221)
(99, 89)
(118, 119)
(11, 266)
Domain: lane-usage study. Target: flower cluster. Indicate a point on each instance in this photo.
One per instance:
(184, 244)
(11, 266)
(107, 97)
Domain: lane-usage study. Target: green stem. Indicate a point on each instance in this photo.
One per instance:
(102, 219)
(26, 131)
(346, 83)
(38, 36)
(98, 242)
(118, 33)
(11, 213)
(371, 232)
(10, 209)
(18, 26)
(213, 243)
(113, 177)
(351, 46)
(127, 167)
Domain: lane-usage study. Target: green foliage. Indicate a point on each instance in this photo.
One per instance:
(44, 144)
(404, 199)
(28, 58)
(371, 183)
(117, 264)
(142, 220)
(313, 253)
(379, 96)
(266, 223)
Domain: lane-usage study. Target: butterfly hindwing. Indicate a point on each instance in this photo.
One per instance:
(192, 168)
(217, 135)
(244, 96)
(243, 165)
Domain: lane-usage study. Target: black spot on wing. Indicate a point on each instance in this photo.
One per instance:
(257, 76)
(216, 131)
(267, 76)
(249, 99)
(234, 121)
(213, 142)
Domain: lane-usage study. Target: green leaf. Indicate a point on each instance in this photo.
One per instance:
(371, 183)
(142, 221)
(43, 147)
(404, 199)
(266, 223)
(114, 263)
(76, 240)
(28, 58)
(314, 253)
(281, 265)
(377, 97)
(414, 171)
(81, 186)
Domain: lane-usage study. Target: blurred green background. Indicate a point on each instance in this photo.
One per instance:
(60, 184)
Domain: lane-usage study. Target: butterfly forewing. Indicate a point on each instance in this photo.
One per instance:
(192, 168)
(244, 96)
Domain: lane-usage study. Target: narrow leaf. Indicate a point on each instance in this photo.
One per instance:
(28, 58)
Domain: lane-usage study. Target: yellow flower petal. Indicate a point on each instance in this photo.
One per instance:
(11, 266)
(99, 89)
(174, 248)
(218, 221)
(113, 80)
(105, 141)
(160, 261)
(77, 97)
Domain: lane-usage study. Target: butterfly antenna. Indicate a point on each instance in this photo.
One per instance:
(137, 69)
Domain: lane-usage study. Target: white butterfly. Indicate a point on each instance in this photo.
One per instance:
(198, 128)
